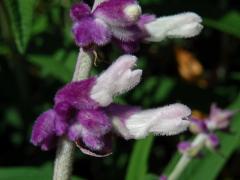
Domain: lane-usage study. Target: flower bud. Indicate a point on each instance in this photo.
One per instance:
(133, 12)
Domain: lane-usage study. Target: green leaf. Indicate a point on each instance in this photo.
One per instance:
(230, 23)
(13, 118)
(29, 173)
(59, 65)
(138, 164)
(211, 164)
(235, 76)
(20, 13)
(151, 177)
(154, 89)
(21, 173)
(163, 90)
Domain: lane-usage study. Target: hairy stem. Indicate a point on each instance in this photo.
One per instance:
(197, 145)
(65, 149)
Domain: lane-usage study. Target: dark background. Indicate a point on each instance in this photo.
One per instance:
(29, 79)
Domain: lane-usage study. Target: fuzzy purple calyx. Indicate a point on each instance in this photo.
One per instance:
(74, 115)
(79, 11)
(119, 21)
(184, 146)
(43, 133)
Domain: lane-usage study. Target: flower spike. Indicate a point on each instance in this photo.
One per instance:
(84, 113)
(122, 22)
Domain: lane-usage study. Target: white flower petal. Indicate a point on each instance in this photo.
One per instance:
(117, 79)
(168, 120)
(182, 25)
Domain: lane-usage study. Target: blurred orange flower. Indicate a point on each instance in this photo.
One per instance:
(189, 67)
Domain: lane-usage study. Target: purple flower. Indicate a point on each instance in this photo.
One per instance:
(212, 141)
(198, 126)
(219, 118)
(44, 130)
(84, 112)
(184, 146)
(121, 21)
(163, 177)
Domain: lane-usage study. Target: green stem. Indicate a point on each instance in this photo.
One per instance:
(65, 149)
(197, 144)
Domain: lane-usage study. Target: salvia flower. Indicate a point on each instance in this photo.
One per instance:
(122, 22)
(163, 177)
(184, 146)
(84, 112)
(198, 126)
(212, 141)
(218, 119)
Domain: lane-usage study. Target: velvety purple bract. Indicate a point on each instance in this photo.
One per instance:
(90, 31)
(79, 11)
(93, 142)
(95, 121)
(112, 12)
(79, 118)
(108, 22)
(75, 115)
(43, 133)
(76, 94)
(127, 46)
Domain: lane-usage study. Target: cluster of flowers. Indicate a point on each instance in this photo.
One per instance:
(204, 128)
(122, 22)
(218, 119)
(84, 111)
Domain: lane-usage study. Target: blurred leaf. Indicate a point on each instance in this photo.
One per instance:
(153, 89)
(29, 173)
(16, 138)
(148, 2)
(60, 65)
(210, 165)
(4, 49)
(230, 23)
(12, 118)
(151, 177)
(163, 90)
(138, 164)
(22, 173)
(40, 25)
(235, 75)
(20, 13)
